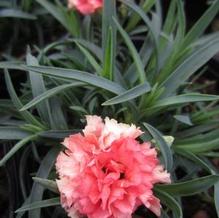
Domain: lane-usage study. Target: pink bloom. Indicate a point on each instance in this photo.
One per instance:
(85, 6)
(107, 173)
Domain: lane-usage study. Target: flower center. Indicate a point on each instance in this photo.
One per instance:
(106, 170)
(122, 175)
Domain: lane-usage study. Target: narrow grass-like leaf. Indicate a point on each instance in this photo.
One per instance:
(185, 98)
(153, 33)
(17, 103)
(211, 154)
(145, 54)
(165, 52)
(184, 119)
(38, 87)
(80, 76)
(49, 93)
(195, 158)
(62, 16)
(59, 121)
(134, 53)
(134, 19)
(58, 134)
(39, 204)
(198, 129)
(108, 63)
(15, 13)
(199, 147)
(23, 161)
(201, 116)
(49, 184)
(90, 58)
(21, 214)
(130, 94)
(92, 47)
(26, 5)
(181, 21)
(197, 59)
(79, 109)
(170, 202)
(10, 65)
(43, 172)
(5, 3)
(87, 44)
(162, 145)
(12, 133)
(202, 23)
(169, 21)
(16, 147)
(109, 11)
(109, 38)
(190, 187)
(216, 197)
(144, 17)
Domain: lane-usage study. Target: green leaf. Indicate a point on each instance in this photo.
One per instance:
(90, 58)
(49, 93)
(181, 21)
(185, 98)
(194, 158)
(134, 19)
(198, 129)
(38, 87)
(10, 65)
(39, 204)
(58, 134)
(109, 10)
(162, 145)
(12, 133)
(80, 76)
(189, 66)
(108, 64)
(16, 13)
(169, 23)
(145, 18)
(91, 46)
(199, 147)
(216, 197)
(15, 148)
(17, 103)
(108, 38)
(130, 94)
(23, 161)
(5, 3)
(59, 121)
(170, 202)
(190, 187)
(134, 53)
(49, 184)
(184, 119)
(200, 26)
(145, 54)
(20, 214)
(69, 21)
(79, 109)
(43, 172)
(211, 154)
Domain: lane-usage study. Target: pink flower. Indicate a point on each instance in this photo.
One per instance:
(107, 173)
(85, 6)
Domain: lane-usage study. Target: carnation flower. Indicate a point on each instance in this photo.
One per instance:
(85, 6)
(106, 173)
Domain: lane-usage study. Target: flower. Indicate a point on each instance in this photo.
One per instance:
(85, 6)
(106, 173)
